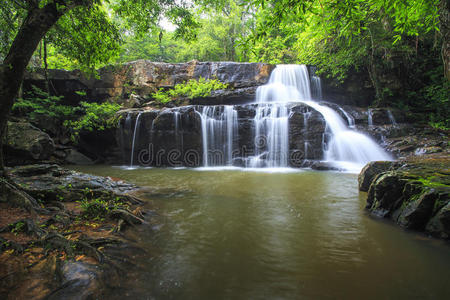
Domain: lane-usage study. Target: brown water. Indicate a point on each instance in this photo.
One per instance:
(252, 235)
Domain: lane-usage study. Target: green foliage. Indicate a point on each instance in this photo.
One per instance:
(99, 207)
(191, 89)
(217, 33)
(87, 36)
(38, 103)
(94, 208)
(18, 227)
(86, 117)
(94, 117)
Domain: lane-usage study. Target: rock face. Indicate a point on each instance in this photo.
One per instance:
(143, 77)
(26, 143)
(414, 194)
(53, 183)
(174, 137)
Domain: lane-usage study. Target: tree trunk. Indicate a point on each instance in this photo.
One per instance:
(444, 24)
(33, 29)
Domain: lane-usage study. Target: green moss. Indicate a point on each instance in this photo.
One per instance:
(432, 181)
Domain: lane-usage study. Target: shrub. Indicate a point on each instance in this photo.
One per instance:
(38, 103)
(94, 117)
(191, 89)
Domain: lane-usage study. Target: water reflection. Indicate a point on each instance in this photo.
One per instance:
(250, 235)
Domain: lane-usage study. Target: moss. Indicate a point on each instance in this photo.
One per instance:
(432, 182)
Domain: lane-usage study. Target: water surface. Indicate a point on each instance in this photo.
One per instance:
(234, 234)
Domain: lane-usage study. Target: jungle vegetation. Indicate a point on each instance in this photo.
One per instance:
(403, 46)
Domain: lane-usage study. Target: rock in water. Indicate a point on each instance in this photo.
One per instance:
(414, 194)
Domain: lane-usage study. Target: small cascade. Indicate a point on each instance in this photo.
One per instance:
(369, 118)
(178, 134)
(271, 136)
(219, 129)
(124, 132)
(391, 118)
(135, 133)
(350, 119)
(347, 145)
(316, 88)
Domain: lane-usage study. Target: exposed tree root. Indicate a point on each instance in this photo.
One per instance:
(14, 194)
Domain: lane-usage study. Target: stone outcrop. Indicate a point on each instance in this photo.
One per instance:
(414, 194)
(26, 143)
(142, 77)
(173, 136)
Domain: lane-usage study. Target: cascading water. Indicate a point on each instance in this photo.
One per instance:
(290, 83)
(219, 127)
(136, 131)
(275, 104)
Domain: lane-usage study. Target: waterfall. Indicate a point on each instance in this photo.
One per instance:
(347, 145)
(369, 117)
(219, 128)
(391, 118)
(264, 142)
(271, 136)
(316, 88)
(136, 131)
(350, 119)
(289, 83)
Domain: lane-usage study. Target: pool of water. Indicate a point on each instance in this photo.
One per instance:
(233, 234)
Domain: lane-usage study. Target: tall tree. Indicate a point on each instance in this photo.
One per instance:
(25, 23)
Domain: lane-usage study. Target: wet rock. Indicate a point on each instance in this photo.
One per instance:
(418, 211)
(52, 183)
(79, 281)
(369, 172)
(439, 225)
(414, 194)
(77, 158)
(26, 143)
(324, 166)
(384, 194)
(173, 136)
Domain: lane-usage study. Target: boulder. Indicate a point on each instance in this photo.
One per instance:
(414, 194)
(439, 225)
(48, 183)
(418, 211)
(370, 171)
(76, 158)
(79, 281)
(26, 143)
(384, 194)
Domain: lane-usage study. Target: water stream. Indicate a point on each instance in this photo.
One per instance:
(259, 235)
(288, 87)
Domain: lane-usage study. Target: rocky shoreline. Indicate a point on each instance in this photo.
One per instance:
(62, 239)
(414, 193)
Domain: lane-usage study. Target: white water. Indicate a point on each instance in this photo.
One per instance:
(290, 83)
(391, 118)
(219, 127)
(136, 129)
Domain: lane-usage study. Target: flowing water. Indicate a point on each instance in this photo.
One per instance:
(256, 235)
(288, 86)
(290, 83)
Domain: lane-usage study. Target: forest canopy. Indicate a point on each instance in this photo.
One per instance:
(405, 41)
